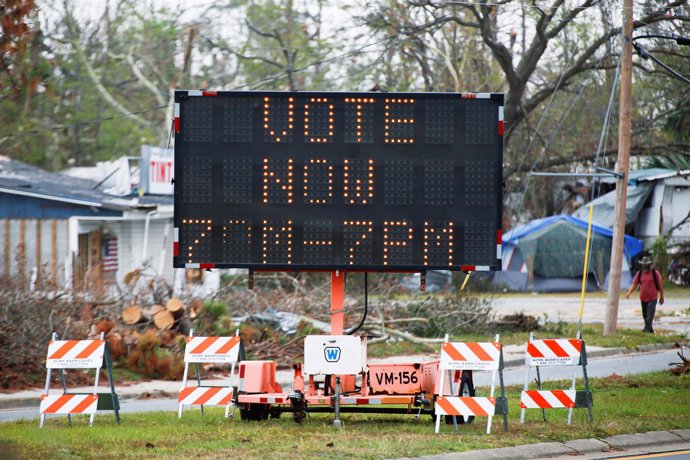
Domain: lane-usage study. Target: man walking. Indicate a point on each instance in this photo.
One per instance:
(651, 286)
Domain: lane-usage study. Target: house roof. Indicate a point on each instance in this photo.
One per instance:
(663, 174)
(648, 175)
(604, 206)
(19, 178)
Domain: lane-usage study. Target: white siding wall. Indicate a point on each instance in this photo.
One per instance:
(680, 207)
(670, 204)
(132, 248)
(31, 244)
(647, 224)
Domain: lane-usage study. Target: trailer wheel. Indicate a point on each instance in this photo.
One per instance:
(255, 412)
(298, 406)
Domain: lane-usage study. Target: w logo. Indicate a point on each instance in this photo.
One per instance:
(332, 354)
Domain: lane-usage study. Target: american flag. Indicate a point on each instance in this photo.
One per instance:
(110, 254)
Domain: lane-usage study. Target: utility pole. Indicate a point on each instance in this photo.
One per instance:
(622, 166)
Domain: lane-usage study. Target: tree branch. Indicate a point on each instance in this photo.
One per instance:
(669, 150)
(74, 40)
(143, 80)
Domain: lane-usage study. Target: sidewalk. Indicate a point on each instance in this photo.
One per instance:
(513, 355)
(613, 446)
(673, 315)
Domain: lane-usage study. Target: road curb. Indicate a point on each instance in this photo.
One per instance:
(575, 447)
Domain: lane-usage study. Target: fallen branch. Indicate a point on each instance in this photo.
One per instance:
(408, 320)
(683, 367)
(403, 335)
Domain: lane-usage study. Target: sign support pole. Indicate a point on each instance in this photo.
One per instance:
(337, 301)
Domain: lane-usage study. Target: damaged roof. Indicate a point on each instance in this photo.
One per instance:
(20, 178)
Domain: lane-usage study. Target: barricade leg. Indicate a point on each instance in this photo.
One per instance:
(504, 401)
(586, 379)
(45, 392)
(64, 390)
(572, 387)
(491, 393)
(526, 386)
(452, 392)
(441, 384)
(543, 411)
(184, 384)
(198, 382)
(232, 373)
(95, 386)
(109, 370)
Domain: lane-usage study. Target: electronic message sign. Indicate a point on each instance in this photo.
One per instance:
(338, 181)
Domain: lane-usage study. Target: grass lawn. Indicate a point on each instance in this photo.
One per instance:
(656, 401)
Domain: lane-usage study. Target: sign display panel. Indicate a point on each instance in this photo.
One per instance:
(328, 181)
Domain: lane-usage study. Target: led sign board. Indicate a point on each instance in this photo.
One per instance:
(327, 181)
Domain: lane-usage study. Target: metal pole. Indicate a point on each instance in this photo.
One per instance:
(622, 166)
(493, 385)
(232, 374)
(527, 365)
(442, 383)
(109, 369)
(585, 268)
(64, 391)
(47, 387)
(543, 412)
(572, 385)
(337, 423)
(452, 393)
(337, 301)
(184, 378)
(95, 383)
(198, 382)
(583, 357)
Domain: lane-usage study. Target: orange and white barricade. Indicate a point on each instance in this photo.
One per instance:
(470, 356)
(555, 352)
(207, 350)
(78, 354)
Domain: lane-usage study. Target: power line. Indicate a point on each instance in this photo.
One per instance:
(644, 54)
(557, 128)
(539, 8)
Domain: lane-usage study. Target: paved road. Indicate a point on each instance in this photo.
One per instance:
(665, 452)
(677, 455)
(602, 367)
(637, 363)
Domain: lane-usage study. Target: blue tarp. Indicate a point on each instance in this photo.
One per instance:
(632, 246)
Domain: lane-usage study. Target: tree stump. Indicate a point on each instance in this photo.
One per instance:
(175, 306)
(132, 315)
(163, 320)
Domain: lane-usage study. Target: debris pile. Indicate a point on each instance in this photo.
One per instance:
(683, 367)
(146, 325)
